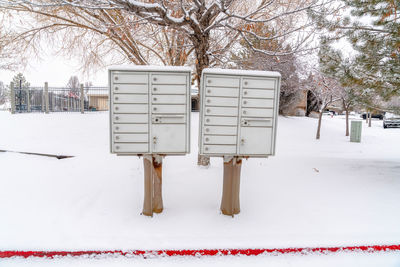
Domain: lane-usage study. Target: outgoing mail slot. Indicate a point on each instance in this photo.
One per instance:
(220, 130)
(129, 78)
(131, 108)
(221, 101)
(222, 91)
(257, 112)
(258, 103)
(254, 122)
(220, 139)
(168, 79)
(168, 119)
(168, 99)
(131, 128)
(130, 99)
(157, 109)
(131, 148)
(213, 120)
(130, 89)
(131, 138)
(221, 111)
(222, 81)
(130, 118)
(259, 83)
(220, 149)
(256, 93)
(168, 89)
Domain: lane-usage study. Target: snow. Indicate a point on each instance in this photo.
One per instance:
(149, 68)
(312, 193)
(241, 72)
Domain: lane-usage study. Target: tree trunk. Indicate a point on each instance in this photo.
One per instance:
(152, 185)
(366, 117)
(347, 122)
(201, 44)
(370, 119)
(319, 125)
(230, 204)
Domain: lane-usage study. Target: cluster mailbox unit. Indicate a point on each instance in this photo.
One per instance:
(238, 119)
(150, 116)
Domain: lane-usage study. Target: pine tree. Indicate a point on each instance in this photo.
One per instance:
(19, 80)
(376, 64)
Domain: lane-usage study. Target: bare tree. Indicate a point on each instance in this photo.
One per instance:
(326, 90)
(73, 84)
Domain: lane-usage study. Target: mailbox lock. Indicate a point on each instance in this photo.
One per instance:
(117, 147)
(209, 81)
(207, 130)
(244, 111)
(245, 102)
(154, 79)
(154, 140)
(116, 88)
(246, 83)
(154, 109)
(242, 141)
(116, 98)
(245, 123)
(155, 98)
(206, 148)
(116, 118)
(117, 137)
(245, 92)
(208, 110)
(156, 119)
(116, 78)
(207, 139)
(154, 89)
(116, 108)
(117, 128)
(208, 91)
(208, 100)
(207, 120)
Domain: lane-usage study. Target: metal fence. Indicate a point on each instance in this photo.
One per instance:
(59, 99)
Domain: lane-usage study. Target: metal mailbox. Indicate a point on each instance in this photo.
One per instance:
(239, 112)
(149, 110)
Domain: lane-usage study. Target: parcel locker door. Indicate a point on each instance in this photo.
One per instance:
(168, 138)
(255, 141)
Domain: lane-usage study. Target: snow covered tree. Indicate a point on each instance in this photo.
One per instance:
(3, 93)
(246, 58)
(74, 85)
(376, 63)
(326, 90)
(20, 81)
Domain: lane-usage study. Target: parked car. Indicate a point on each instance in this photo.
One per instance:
(391, 120)
(374, 115)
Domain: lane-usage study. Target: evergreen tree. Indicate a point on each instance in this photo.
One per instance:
(376, 64)
(20, 80)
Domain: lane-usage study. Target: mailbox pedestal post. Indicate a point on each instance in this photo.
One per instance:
(230, 204)
(152, 185)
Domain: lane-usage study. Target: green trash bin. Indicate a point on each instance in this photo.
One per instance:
(355, 131)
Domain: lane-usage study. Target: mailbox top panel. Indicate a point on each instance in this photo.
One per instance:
(271, 74)
(150, 68)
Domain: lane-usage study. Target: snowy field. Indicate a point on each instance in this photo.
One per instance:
(313, 193)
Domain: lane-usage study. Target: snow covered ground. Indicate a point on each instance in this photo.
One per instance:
(327, 192)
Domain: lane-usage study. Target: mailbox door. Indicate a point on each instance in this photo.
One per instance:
(168, 138)
(255, 141)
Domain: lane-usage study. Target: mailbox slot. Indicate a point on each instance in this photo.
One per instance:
(226, 81)
(168, 99)
(221, 111)
(222, 91)
(168, 89)
(257, 93)
(220, 130)
(130, 88)
(126, 148)
(158, 109)
(168, 79)
(131, 138)
(122, 77)
(131, 118)
(257, 112)
(131, 108)
(258, 83)
(223, 121)
(258, 103)
(131, 128)
(220, 149)
(130, 99)
(221, 101)
(220, 139)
